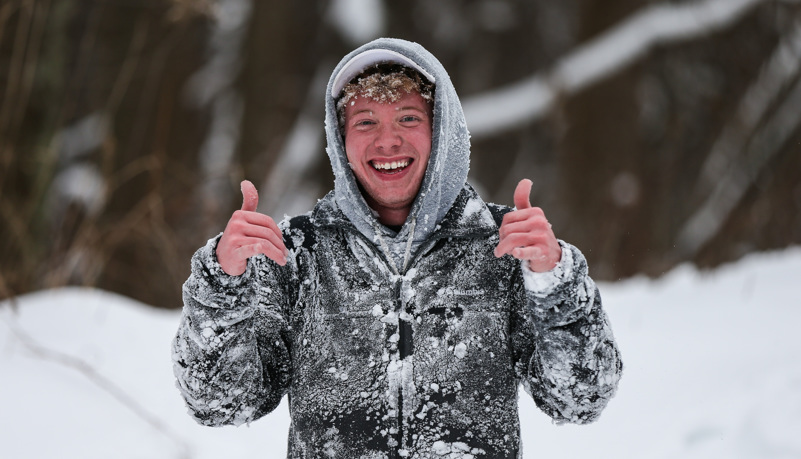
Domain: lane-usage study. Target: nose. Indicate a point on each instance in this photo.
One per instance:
(387, 138)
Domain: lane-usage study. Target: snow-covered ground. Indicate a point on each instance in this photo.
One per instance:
(712, 370)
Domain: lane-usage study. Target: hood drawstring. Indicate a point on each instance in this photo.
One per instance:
(388, 253)
(407, 257)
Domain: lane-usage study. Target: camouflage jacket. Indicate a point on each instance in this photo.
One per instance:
(386, 363)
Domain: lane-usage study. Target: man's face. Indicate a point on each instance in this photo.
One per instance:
(388, 146)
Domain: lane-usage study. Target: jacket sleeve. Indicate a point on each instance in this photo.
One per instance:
(231, 355)
(567, 358)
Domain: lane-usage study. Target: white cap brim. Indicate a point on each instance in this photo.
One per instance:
(363, 60)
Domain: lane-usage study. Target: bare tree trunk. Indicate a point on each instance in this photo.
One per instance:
(655, 133)
(98, 152)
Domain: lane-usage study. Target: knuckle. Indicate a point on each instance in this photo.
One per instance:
(238, 224)
(539, 240)
(538, 223)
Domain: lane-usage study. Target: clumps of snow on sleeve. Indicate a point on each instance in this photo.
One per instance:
(217, 359)
(543, 284)
(576, 368)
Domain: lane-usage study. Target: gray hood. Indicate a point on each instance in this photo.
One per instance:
(445, 175)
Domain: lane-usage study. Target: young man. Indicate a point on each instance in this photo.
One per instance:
(402, 313)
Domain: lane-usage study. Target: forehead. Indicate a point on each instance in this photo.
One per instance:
(407, 101)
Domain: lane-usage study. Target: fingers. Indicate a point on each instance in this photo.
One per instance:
(250, 233)
(261, 247)
(248, 228)
(526, 234)
(531, 219)
(529, 253)
(522, 193)
(250, 196)
(539, 260)
(516, 240)
(257, 219)
(233, 253)
(260, 233)
(252, 224)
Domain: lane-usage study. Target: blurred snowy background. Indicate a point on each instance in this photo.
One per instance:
(663, 138)
(712, 372)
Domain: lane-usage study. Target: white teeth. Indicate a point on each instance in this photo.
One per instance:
(390, 166)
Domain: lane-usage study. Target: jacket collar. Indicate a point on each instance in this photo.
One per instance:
(469, 216)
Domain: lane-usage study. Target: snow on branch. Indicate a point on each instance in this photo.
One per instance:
(747, 144)
(783, 66)
(213, 87)
(533, 97)
(286, 189)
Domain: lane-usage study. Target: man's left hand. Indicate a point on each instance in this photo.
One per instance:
(527, 235)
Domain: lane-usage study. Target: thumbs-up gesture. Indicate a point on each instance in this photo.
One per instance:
(249, 233)
(527, 235)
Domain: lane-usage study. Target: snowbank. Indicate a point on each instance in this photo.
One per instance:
(712, 370)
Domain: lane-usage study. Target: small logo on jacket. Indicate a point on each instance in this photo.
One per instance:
(460, 292)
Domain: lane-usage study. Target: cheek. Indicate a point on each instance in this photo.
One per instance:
(422, 144)
(421, 139)
(355, 145)
(351, 151)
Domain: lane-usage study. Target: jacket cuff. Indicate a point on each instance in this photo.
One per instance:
(543, 284)
(206, 265)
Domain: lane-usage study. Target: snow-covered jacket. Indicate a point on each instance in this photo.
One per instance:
(396, 344)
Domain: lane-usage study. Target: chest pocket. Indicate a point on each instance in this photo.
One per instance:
(349, 313)
(457, 312)
(462, 335)
(463, 304)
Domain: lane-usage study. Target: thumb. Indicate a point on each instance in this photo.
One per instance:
(522, 193)
(250, 197)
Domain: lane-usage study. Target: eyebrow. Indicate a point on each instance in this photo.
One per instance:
(399, 109)
(408, 107)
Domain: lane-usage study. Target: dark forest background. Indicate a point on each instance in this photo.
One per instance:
(126, 126)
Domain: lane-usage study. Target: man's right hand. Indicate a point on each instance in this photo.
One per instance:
(249, 233)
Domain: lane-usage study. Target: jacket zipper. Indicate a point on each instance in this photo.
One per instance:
(405, 341)
(404, 349)
(403, 335)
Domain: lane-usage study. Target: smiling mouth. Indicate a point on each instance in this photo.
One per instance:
(392, 167)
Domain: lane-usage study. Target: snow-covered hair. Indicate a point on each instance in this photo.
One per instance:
(383, 83)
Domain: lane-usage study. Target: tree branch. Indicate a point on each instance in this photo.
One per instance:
(285, 191)
(737, 157)
(532, 98)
